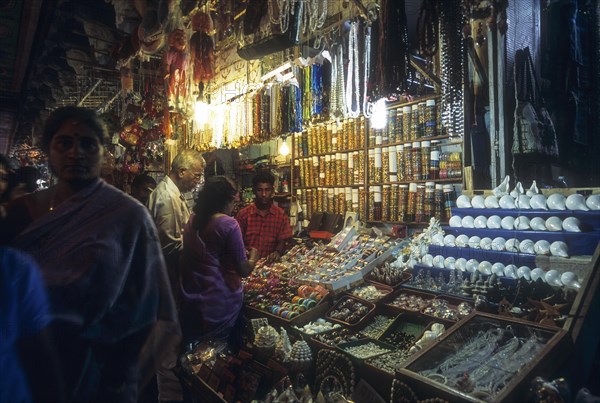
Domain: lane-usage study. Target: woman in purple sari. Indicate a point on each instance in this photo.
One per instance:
(213, 263)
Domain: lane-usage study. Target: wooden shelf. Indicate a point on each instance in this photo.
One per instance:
(399, 143)
(329, 153)
(329, 186)
(446, 180)
(424, 223)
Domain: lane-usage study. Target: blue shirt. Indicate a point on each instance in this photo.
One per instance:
(23, 312)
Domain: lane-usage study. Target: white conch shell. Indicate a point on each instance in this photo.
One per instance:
(438, 239)
(533, 190)
(494, 222)
(538, 201)
(542, 247)
(507, 202)
(521, 223)
(571, 224)
(455, 221)
(461, 264)
(537, 273)
(512, 245)
(524, 272)
(556, 201)
(498, 243)
(502, 188)
(593, 202)
(527, 246)
(576, 201)
(463, 201)
(474, 242)
(438, 261)
(559, 248)
(472, 265)
(510, 270)
(554, 224)
(498, 269)
(485, 243)
(450, 262)
(538, 224)
(449, 240)
(427, 260)
(552, 277)
(485, 267)
(478, 201)
(468, 222)
(518, 190)
(522, 202)
(491, 202)
(507, 222)
(570, 280)
(461, 241)
(480, 221)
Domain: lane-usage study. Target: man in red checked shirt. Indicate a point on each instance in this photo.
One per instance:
(264, 226)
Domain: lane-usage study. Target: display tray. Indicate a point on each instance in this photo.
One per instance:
(312, 314)
(409, 323)
(390, 301)
(362, 349)
(360, 292)
(318, 340)
(352, 307)
(485, 358)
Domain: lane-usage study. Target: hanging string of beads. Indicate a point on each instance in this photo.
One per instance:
(337, 104)
(367, 69)
(353, 80)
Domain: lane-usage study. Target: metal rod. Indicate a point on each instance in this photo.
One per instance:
(89, 92)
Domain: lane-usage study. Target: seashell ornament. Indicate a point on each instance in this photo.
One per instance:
(507, 202)
(538, 201)
(491, 202)
(537, 273)
(517, 191)
(502, 188)
(559, 248)
(593, 202)
(538, 224)
(556, 201)
(283, 347)
(478, 201)
(576, 201)
(533, 189)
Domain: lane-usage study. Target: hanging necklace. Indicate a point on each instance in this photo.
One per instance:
(367, 63)
(353, 73)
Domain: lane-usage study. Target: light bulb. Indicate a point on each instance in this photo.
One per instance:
(284, 150)
(379, 115)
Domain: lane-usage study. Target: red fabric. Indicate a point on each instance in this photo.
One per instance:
(263, 233)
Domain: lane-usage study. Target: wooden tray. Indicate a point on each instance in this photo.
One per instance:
(359, 323)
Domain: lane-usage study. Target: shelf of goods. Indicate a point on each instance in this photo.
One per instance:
(391, 175)
(516, 260)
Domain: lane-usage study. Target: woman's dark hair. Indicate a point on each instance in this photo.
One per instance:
(59, 116)
(263, 176)
(214, 196)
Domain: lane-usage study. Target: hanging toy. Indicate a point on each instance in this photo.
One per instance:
(176, 63)
(202, 48)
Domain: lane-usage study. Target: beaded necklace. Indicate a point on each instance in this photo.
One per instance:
(367, 63)
(353, 86)
(337, 104)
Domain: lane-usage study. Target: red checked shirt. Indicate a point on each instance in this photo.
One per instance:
(263, 232)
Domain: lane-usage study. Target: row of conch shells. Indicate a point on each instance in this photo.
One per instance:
(521, 223)
(527, 246)
(555, 201)
(552, 277)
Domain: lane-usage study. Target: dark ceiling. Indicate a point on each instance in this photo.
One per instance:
(53, 53)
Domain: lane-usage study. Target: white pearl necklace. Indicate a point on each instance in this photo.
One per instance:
(353, 70)
(367, 106)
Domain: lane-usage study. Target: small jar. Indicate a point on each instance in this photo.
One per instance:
(425, 159)
(408, 162)
(417, 164)
(377, 203)
(350, 159)
(415, 122)
(348, 199)
(403, 203)
(407, 123)
(362, 194)
(391, 126)
(378, 172)
(434, 160)
(385, 164)
(449, 199)
(331, 202)
(401, 167)
(430, 118)
(361, 132)
(332, 132)
(344, 163)
(420, 203)
(371, 166)
(429, 202)
(399, 125)
(385, 202)
(393, 164)
(422, 106)
(439, 208)
(322, 170)
(411, 204)
(394, 202)
(355, 203)
(361, 167)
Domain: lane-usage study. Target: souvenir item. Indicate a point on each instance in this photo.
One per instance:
(552, 277)
(498, 269)
(512, 245)
(571, 224)
(521, 223)
(537, 224)
(527, 246)
(524, 272)
(478, 201)
(510, 271)
(570, 280)
(427, 260)
(463, 201)
(472, 265)
(538, 201)
(455, 221)
(507, 202)
(474, 242)
(462, 240)
(494, 222)
(450, 263)
(468, 222)
(498, 243)
(438, 239)
(542, 247)
(553, 224)
(461, 264)
(486, 243)
(576, 201)
(485, 267)
(480, 222)
(438, 261)
(508, 222)
(533, 190)
(502, 188)
(559, 248)
(537, 273)
(522, 202)
(556, 201)
(517, 191)
(449, 240)
(491, 202)
(593, 202)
